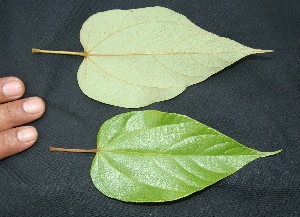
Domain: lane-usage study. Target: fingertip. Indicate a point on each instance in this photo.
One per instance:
(11, 88)
(34, 105)
(16, 140)
(27, 135)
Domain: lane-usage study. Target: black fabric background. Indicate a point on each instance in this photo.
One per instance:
(255, 101)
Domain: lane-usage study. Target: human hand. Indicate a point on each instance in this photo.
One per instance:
(15, 112)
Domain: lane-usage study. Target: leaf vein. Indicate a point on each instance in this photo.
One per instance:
(170, 174)
(195, 174)
(173, 70)
(190, 173)
(206, 168)
(218, 144)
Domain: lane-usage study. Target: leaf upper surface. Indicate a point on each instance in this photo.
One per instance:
(152, 156)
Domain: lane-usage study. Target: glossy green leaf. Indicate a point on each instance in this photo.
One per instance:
(152, 156)
(133, 58)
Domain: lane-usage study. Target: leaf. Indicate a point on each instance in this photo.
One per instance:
(152, 156)
(133, 58)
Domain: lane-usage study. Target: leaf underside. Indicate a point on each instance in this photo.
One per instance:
(152, 156)
(138, 57)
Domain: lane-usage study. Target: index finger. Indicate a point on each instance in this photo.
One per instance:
(11, 88)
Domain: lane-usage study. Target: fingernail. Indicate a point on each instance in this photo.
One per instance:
(12, 89)
(33, 105)
(27, 135)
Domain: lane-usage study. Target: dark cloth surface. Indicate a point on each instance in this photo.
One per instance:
(255, 101)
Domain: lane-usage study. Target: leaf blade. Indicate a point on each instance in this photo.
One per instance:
(139, 165)
(155, 49)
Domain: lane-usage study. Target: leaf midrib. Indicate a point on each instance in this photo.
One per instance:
(170, 154)
(170, 53)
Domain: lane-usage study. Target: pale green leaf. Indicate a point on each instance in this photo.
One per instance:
(152, 156)
(133, 58)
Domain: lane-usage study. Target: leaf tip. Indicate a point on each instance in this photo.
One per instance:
(257, 51)
(268, 51)
(266, 154)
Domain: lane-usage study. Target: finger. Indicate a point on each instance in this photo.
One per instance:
(20, 112)
(11, 88)
(15, 140)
